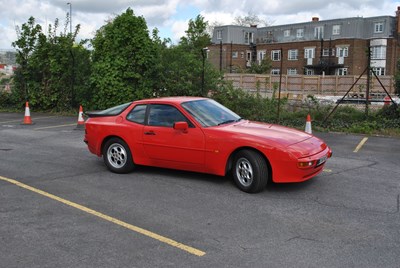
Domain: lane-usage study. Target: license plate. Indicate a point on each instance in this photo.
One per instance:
(322, 160)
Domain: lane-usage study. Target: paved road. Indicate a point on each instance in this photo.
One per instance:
(74, 213)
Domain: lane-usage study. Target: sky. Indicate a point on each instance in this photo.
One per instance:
(171, 17)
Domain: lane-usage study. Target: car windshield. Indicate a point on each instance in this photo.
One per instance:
(210, 113)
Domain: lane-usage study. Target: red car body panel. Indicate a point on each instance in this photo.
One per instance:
(209, 149)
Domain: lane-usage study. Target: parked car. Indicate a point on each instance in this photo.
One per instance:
(201, 135)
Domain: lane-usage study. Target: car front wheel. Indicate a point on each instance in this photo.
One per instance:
(250, 171)
(117, 156)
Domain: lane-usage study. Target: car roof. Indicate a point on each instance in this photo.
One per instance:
(176, 100)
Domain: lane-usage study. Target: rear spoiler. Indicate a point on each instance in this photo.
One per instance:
(96, 114)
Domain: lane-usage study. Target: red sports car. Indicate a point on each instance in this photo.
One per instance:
(199, 134)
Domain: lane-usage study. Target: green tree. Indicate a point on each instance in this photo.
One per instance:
(123, 61)
(48, 66)
(28, 36)
(181, 70)
(197, 36)
(260, 68)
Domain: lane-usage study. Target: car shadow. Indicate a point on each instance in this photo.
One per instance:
(289, 187)
(220, 180)
(186, 175)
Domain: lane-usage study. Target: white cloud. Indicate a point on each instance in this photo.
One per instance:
(92, 14)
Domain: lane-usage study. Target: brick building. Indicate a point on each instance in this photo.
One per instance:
(330, 47)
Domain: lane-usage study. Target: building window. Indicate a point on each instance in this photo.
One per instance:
(300, 33)
(319, 32)
(341, 71)
(378, 27)
(275, 55)
(308, 71)
(275, 71)
(309, 53)
(342, 52)
(248, 37)
(219, 34)
(235, 54)
(379, 70)
(378, 53)
(293, 54)
(286, 33)
(261, 55)
(242, 55)
(325, 52)
(248, 55)
(291, 71)
(336, 30)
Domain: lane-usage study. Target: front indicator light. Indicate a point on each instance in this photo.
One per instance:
(307, 164)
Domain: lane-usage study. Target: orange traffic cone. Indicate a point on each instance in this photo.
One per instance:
(81, 121)
(308, 125)
(27, 118)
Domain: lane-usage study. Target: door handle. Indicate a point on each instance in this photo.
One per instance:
(149, 133)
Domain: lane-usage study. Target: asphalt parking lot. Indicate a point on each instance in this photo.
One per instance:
(61, 207)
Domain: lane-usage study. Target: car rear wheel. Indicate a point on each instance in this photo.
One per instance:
(117, 156)
(250, 171)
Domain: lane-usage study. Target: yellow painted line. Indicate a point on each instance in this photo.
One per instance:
(327, 170)
(360, 145)
(22, 119)
(67, 125)
(131, 227)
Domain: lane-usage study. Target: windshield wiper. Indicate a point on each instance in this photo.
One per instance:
(229, 121)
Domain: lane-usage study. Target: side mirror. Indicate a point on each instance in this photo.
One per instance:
(183, 126)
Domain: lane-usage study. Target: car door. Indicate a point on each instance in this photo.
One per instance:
(164, 144)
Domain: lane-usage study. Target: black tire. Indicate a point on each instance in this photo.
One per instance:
(250, 171)
(117, 156)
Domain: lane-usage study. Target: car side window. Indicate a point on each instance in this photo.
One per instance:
(137, 114)
(165, 116)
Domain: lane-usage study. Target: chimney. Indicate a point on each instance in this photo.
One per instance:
(315, 19)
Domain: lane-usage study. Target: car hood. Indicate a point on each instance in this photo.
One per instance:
(297, 141)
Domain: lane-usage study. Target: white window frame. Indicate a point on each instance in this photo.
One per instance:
(308, 71)
(309, 52)
(300, 33)
(291, 71)
(275, 55)
(219, 34)
(319, 32)
(275, 71)
(342, 52)
(261, 54)
(379, 70)
(293, 54)
(336, 29)
(342, 71)
(235, 54)
(286, 33)
(248, 37)
(378, 53)
(248, 55)
(378, 27)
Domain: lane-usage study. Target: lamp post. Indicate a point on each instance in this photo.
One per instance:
(70, 17)
(204, 54)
